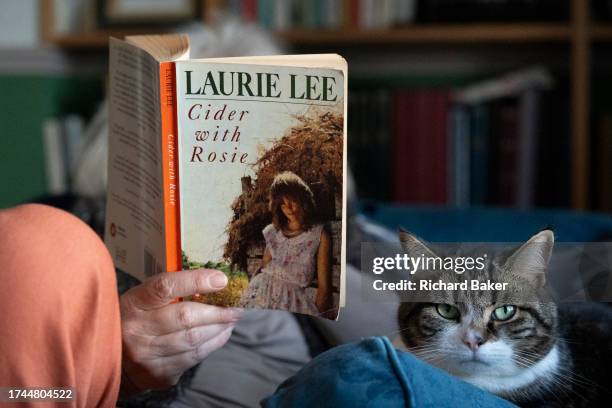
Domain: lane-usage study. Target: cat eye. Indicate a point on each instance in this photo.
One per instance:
(504, 312)
(447, 311)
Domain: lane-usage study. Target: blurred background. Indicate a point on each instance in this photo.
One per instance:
(453, 103)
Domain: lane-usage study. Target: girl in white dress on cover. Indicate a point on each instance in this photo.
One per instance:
(296, 252)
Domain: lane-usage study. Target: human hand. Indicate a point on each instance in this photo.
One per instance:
(162, 339)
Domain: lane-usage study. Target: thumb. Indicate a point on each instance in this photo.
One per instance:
(162, 289)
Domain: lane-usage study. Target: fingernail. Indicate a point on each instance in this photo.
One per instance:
(218, 280)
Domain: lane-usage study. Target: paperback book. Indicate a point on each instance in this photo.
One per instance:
(236, 164)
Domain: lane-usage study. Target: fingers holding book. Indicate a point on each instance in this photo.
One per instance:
(163, 338)
(164, 288)
(183, 341)
(188, 315)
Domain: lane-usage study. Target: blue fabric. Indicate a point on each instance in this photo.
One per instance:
(372, 373)
(446, 224)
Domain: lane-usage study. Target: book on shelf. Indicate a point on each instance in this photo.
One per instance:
(460, 135)
(512, 84)
(236, 164)
(56, 167)
(504, 168)
(420, 146)
(528, 138)
(479, 154)
(502, 142)
(63, 146)
(513, 125)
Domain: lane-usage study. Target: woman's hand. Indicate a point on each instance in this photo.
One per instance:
(162, 339)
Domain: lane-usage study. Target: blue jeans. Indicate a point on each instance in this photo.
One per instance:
(373, 373)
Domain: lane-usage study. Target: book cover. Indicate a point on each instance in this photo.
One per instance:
(235, 164)
(261, 178)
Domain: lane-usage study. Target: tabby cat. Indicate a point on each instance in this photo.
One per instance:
(533, 353)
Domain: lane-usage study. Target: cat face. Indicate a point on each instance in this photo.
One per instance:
(479, 335)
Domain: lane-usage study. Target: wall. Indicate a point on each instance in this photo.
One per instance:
(19, 24)
(36, 83)
(29, 100)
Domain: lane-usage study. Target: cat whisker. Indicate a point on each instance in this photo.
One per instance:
(559, 338)
(562, 384)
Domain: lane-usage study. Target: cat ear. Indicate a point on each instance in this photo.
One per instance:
(531, 259)
(413, 246)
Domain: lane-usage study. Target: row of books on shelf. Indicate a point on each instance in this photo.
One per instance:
(73, 16)
(501, 142)
(325, 14)
(492, 10)
(372, 14)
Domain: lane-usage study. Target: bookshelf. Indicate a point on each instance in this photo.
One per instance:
(579, 33)
(432, 34)
(423, 34)
(96, 39)
(601, 32)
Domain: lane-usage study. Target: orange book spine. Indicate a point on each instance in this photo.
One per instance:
(169, 127)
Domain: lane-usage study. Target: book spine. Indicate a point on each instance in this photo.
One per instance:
(458, 163)
(399, 109)
(437, 102)
(353, 16)
(56, 169)
(265, 11)
(169, 126)
(464, 159)
(282, 14)
(480, 152)
(527, 148)
(249, 10)
(507, 154)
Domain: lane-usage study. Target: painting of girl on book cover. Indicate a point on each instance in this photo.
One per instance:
(297, 252)
(284, 239)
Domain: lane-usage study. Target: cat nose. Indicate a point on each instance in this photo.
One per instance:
(473, 342)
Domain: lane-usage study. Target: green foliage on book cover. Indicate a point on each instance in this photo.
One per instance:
(228, 296)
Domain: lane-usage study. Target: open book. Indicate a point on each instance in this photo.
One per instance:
(236, 164)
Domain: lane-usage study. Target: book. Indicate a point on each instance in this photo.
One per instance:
(236, 164)
(479, 155)
(529, 135)
(420, 146)
(509, 85)
(459, 156)
(514, 174)
(505, 151)
(55, 158)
